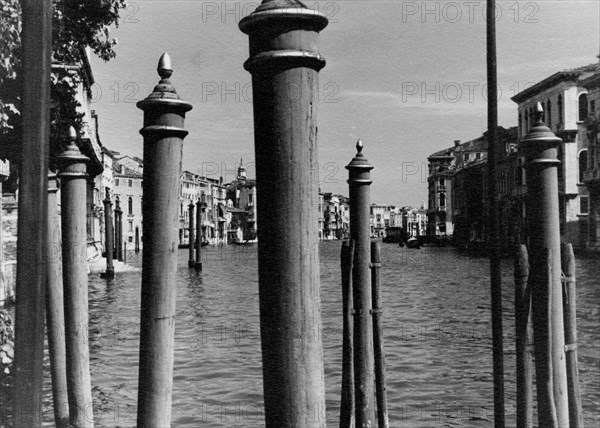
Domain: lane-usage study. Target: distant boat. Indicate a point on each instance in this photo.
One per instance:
(413, 243)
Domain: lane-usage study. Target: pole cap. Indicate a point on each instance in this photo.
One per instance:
(540, 133)
(72, 162)
(359, 161)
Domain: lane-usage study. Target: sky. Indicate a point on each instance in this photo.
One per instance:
(406, 77)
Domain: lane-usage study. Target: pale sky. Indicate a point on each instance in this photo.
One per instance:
(406, 77)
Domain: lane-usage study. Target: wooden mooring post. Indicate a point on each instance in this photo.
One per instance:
(73, 176)
(109, 236)
(198, 263)
(55, 312)
(191, 260)
(540, 149)
(570, 314)
(494, 152)
(163, 133)
(347, 396)
(380, 386)
(118, 229)
(284, 63)
(524, 339)
(32, 234)
(360, 230)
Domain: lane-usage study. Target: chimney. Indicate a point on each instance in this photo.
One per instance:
(456, 143)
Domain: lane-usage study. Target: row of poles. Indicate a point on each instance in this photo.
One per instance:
(286, 56)
(196, 236)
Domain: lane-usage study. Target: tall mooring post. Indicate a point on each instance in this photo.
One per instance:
(540, 149)
(55, 309)
(359, 182)
(36, 41)
(118, 230)
(284, 63)
(109, 235)
(73, 176)
(191, 261)
(163, 131)
(200, 207)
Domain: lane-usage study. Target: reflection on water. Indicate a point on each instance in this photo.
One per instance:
(437, 338)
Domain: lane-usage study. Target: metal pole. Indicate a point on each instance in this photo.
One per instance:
(33, 205)
(540, 147)
(570, 314)
(163, 132)
(73, 177)
(494, 221)
(119, 229)
(55, 312)
(284, 63)
(108, 230)
(359, 182)
(191, 261)
(347, 400)
(524, 339)
(198, 264)
(380, 388)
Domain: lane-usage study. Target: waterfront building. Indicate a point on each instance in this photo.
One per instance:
(591, 176)
(412, 220)
(128, 187)
(242, 193)
(565, 102)
(441, 165)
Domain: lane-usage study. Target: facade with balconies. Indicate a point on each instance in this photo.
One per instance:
(442, 165)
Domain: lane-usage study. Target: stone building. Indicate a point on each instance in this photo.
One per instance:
(128, 187)
(442, 165)
(566, 107)
(591, 176)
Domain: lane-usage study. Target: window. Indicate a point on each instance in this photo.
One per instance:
(477, 156)
(583, 158)
(583, 204)
(442, 181)
(131, 225)
(130, 183)
(130, 205)
(560, 109)
(442, 200)
(116, 181)
(549, 114)
(583, 107)
(592, 107)
(526, 122)
(466, 157)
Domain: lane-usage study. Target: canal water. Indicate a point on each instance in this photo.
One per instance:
(437, 340)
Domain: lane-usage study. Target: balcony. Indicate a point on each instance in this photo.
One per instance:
(591, 175)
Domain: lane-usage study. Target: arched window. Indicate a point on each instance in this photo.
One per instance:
(583, 107)
(560, 109)
(549, 114)
(583, 158)
(442, 200)
(130, 205)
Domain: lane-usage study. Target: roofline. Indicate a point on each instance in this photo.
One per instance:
(548, 82)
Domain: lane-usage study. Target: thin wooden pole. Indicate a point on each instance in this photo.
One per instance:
(494, 222)
(570, 316)
(380, 386)
(191, 260)
(73, 177)
(198, 264)
(55, 312)
(118, 229)
(524, 339)
(364, 382)
(347, 401)
(36, 39)
(541, 294)
(284, 63)
(163, 131)
(109, 234)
